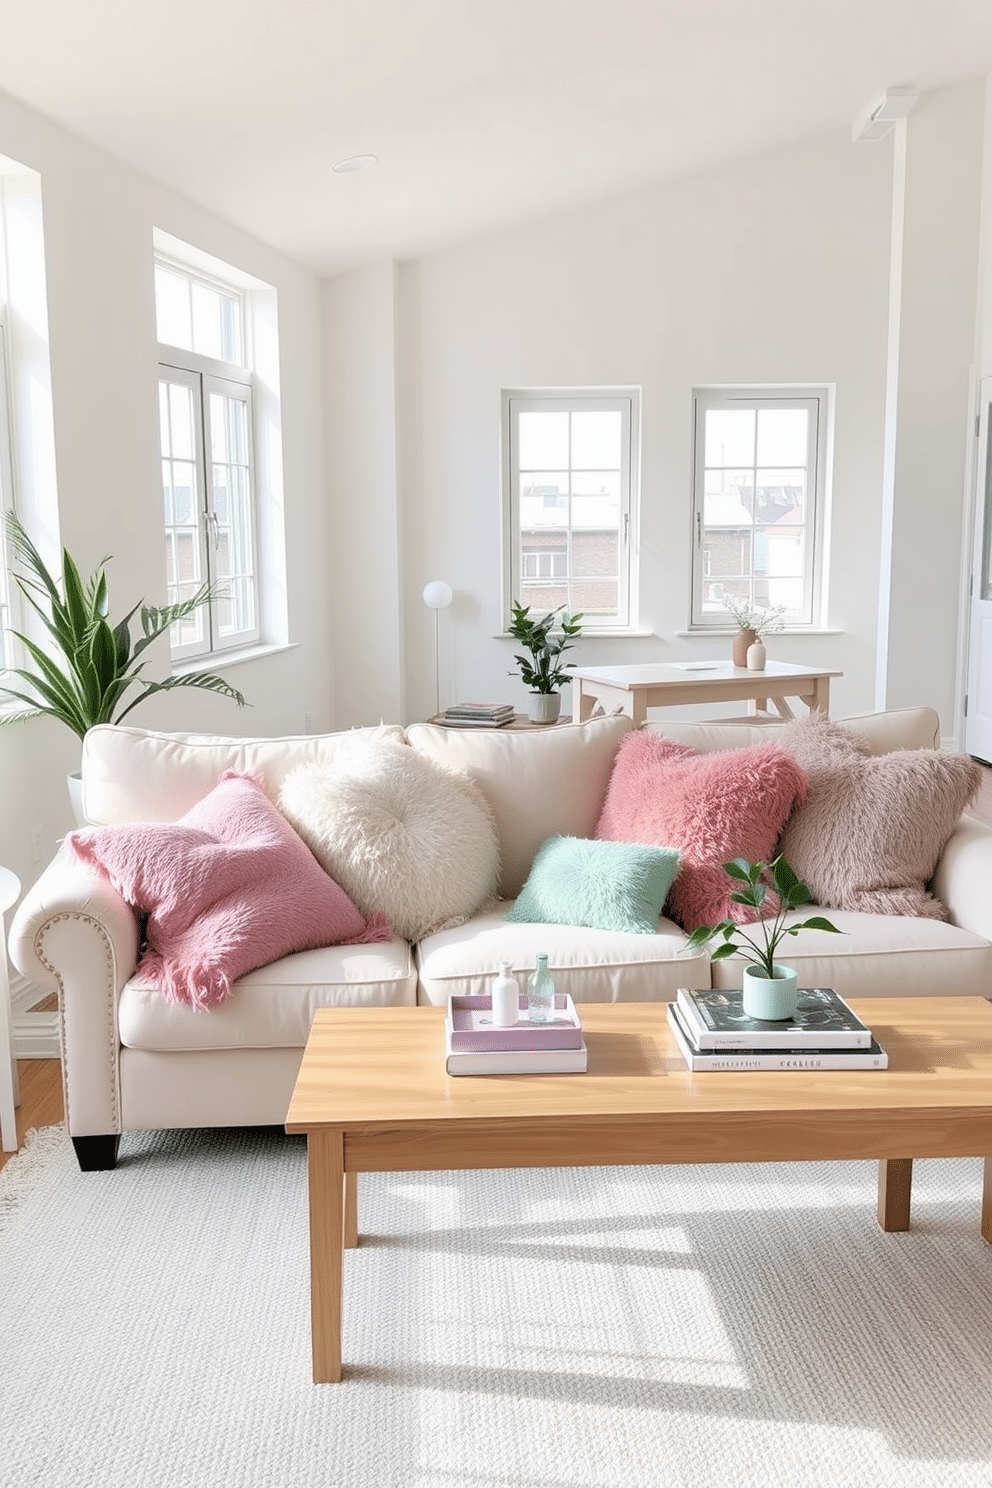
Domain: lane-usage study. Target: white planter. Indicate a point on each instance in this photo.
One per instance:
(756, 656)
(544, 707)
(770, 1000)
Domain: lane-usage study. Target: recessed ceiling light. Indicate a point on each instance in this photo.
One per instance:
(354, 163)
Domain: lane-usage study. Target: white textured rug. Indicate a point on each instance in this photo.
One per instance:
(642, 1326)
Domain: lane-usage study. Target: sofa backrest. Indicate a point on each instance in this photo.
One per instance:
(540, 782)
(902, 728)
(133, 774)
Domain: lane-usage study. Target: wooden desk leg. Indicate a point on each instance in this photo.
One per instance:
(350, 1210)
(325, 1176)
(582, 702)
(987, 1201)
(821, 696)
(895, 1183)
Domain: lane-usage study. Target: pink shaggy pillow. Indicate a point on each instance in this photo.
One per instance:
(713, 807)
(227, 888)
(873, 827)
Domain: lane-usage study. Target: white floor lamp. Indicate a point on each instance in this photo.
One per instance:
(437, 596)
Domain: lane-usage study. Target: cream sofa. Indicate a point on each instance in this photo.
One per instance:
(133, 1061)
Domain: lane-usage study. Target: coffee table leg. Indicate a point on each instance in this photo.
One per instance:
(350, 1210)
(325, 1175)
(895, 1183)
(987, 1201)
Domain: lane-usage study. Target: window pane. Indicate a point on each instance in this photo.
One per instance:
(780, 496)
(182, 425)
(172, 309)
(544, 498)
(783, 436)
(543, 441)
(728, 498)
(729, 436)
(596, 440)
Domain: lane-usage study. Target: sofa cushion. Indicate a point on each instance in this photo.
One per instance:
(878, 955)
(872, 828)
(901, 728)
(133, 774)
(540, 782)
(713, 807)
(272, 1007)
(605, 885)
(590, 965)
(405, 836)
(228, 888)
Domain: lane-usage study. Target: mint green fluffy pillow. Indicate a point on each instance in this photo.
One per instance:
(605, 885)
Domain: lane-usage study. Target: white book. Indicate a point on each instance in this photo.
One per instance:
(773, 1059)
(519, 1062)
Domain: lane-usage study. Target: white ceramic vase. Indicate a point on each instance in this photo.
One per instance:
(544, 707)
(772, 999)
(756, 656)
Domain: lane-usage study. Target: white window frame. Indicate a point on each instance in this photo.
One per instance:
(625, 401)
(818, 400)
(205, 375)
(9, 609)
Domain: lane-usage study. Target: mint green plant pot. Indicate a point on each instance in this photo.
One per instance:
(771, 1000)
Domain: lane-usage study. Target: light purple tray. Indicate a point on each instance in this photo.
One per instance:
(471, 1029)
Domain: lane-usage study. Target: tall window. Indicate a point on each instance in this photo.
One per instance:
(207, 442)
(569, 473)
(6, 503)
(758, 500)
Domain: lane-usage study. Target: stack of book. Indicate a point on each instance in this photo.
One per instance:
(477, 715)
(475, 1045)
(714, 1033)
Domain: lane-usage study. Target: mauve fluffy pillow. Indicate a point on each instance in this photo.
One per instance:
(713, 807)
(227, 888)
(872, 829)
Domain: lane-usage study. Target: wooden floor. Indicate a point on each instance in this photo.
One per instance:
(41, 1081)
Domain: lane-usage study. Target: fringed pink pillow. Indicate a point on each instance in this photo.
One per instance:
(713, 807)
(227, 888)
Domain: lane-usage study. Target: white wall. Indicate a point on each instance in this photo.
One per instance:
(773, 269)
(98, 218)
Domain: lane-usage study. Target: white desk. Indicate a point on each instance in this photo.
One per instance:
(10, 888)
(635, 689)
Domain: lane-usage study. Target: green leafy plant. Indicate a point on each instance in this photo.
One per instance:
(83, 681)
(544, 671)
(772, 928)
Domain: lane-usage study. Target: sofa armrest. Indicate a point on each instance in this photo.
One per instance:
(963, 879)
(74, 935)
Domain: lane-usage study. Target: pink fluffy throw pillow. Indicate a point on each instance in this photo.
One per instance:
(227, 888)
(713, 807)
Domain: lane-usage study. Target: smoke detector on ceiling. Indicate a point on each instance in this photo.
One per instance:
(883, 113)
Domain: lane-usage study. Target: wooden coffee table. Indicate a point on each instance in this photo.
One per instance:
(372, 1096)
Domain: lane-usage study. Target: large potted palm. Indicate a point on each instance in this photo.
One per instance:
(92, 671)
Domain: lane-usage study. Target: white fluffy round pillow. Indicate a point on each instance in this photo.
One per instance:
(402, 835)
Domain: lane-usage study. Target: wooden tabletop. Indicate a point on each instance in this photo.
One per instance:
(378, 1076)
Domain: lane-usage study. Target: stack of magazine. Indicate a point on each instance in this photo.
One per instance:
(714, 1033)
(475, 1045)
(477, 715)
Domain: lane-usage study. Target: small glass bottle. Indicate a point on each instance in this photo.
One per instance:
(506, 997)
(541, 993)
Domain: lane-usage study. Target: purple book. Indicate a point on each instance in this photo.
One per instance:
(471, 1030)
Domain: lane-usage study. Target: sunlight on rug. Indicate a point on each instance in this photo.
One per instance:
(579, 1328)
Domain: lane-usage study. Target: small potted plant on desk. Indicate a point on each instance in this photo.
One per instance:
(543, 671)
(769, 990)
(753, 622)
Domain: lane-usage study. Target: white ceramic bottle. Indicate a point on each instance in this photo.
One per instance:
(506, 996)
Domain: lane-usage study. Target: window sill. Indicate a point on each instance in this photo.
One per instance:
(588, 633)
(219, 661)
(731, 630)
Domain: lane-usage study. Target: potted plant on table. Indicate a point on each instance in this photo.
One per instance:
(769, 990)
(543, 671)
(92, 665)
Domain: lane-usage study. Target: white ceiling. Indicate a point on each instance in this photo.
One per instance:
(484, 113)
